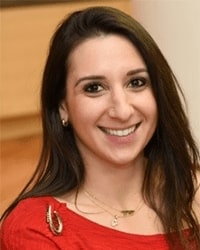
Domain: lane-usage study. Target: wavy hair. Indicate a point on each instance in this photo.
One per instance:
(173, 157)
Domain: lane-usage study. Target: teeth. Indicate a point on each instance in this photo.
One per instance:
(119, 132)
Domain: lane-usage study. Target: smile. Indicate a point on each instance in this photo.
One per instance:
(121, 132)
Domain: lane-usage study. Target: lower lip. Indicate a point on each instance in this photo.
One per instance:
(120, 140)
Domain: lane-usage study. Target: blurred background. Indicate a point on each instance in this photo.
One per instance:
(25, 31)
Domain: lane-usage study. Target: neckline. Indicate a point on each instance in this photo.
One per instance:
(63, 205)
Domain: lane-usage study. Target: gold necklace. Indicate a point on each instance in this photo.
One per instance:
(121, 213)
(80, 210)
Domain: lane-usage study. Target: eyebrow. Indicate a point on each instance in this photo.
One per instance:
(99, 77)
(91, 77)
(136, 71)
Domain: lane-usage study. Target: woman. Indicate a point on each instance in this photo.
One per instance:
(119, 168)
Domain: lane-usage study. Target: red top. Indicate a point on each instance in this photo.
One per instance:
(26, 228)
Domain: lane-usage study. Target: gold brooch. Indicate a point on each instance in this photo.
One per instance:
(54, 221)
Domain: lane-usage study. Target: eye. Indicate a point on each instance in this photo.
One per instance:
(93, 87)
(137, 83)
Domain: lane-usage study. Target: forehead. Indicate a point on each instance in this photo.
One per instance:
(104, 48)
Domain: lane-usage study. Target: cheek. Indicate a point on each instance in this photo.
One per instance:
(83, 111)
(150, 110)
(153, 112)
(148, 104)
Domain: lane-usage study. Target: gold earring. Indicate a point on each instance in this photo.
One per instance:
(64, 123)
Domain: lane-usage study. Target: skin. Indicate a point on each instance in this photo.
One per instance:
(105, 97)
(110, 104)
(196, 203)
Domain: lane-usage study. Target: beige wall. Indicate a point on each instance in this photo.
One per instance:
(175, 25)
(25, 35)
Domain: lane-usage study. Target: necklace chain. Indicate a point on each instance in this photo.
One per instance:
(80, 210)
(106, 208)
(123, 212)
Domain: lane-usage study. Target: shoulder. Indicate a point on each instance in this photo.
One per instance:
(28, 211)
(28, 221)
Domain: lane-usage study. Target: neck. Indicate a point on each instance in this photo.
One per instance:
(116, 186)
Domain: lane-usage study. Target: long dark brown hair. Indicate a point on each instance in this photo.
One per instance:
(173, 157)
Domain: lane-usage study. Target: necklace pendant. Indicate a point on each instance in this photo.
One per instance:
(114, 221)
(127, 212)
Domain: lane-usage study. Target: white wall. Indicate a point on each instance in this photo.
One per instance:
(175, 26)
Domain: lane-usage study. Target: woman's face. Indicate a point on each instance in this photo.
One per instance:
(109, 101)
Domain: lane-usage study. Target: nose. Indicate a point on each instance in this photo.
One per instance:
(121, 106)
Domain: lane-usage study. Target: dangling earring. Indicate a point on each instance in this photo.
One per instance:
(64, 123)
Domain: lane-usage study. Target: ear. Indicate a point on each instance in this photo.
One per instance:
(63, 111)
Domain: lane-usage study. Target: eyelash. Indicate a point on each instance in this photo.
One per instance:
(95, 87)
(138, 83)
